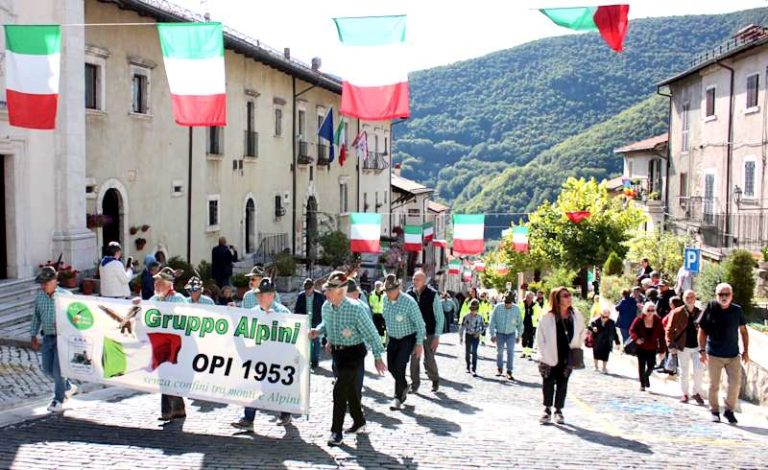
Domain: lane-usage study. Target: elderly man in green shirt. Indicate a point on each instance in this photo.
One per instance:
(406, 331)
(505, 328)
(348, 328)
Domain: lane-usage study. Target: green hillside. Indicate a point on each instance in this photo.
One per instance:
(475, 124)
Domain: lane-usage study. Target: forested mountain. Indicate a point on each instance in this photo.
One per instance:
(501, 132)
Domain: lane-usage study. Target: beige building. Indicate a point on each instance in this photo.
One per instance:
(718, 124)
(645, 166)
(118, 168)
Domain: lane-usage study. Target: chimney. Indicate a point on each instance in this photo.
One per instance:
(287, 53)
(316, 63)
(396, 169)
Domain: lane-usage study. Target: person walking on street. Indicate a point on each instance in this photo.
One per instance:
(310, 302)
(376, 302)
(505, 329)
(223, 256)
(471, 294)
(627, 308)
(406, 332)
(684, 281)
(114, 278)
(151, 267)
(449, 311)
(663, 306)
(171, 406)
(485, 312)
(604, 333)
(682, 336)
(250, 299)
(719, 328)
(194, 288)
(44, 323)
(270, 309)
(648, 334)
(472, 326)
(348, 329)
(531, 311)
(432, 312)
(560, 330)
(645, 270)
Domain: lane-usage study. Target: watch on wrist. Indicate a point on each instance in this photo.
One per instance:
(702, 351)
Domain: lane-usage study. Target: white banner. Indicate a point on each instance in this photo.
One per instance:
(213, 353)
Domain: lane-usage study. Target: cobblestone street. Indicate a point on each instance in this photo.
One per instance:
(469, 423)
(21, 379)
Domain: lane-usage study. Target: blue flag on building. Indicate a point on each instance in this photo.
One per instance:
(326, 132)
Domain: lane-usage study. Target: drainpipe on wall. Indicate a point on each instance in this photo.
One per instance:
(668, 158)
(729, 156)
(295, 166)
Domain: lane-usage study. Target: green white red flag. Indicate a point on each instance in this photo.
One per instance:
(468, 230)
(365, 232)
(440, 243)
(429, 231)
(412, 234)
(520, 238)
(340, 141)
(479, 266)
(193, 54)
(33, 67)
(610, 20)
(501, 269)
(454, 267)
(375, 78)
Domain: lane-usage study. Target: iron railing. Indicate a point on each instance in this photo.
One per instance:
(322, 154)
(744, 38)
(375, 161)
(270, 244)
(744, 228)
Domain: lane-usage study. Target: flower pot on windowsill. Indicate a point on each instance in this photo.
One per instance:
(69, 283)
(88, 287)
(140, 242)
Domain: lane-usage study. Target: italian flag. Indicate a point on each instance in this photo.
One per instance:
(365, 232)
(454, 267)
(466, 275)
(520, 238)
(122, 357)
(610, 20)
(501, 269)
(32, 65)
(440, 243)
(479, 266)
(468, 233)
(429, 232)
(412, 238)
(340, 141)
(193, 54)
(375, 82)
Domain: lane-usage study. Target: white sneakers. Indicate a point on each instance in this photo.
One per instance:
(71, 392)
(55, 407)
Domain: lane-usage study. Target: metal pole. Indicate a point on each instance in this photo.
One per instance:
(189, 201)
(357, 160)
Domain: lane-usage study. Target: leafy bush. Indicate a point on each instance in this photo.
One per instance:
(583, 306)
(285, 264)
(611, 287)
(711, 275)
(764, 251)
(178, 263)
(664, 250)
(558, 277)
(739, 272)
(613, 265)
(239, 280)
(204, 270)
(336, 250)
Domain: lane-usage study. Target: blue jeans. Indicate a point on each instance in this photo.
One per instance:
(471, 351)
(505, 340)
(624, 334)
(314, 352)
(250, 414)
(51, 367)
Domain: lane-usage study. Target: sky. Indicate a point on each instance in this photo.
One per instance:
(439, 32)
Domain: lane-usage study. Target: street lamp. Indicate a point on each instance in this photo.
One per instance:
(737, 193)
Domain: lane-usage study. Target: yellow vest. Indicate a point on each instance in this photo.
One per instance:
(377, 303)
(536, 312)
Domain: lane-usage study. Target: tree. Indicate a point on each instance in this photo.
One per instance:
(613, 265)
(336, 250)
(664, 250)
(563, 243)
(513, 260)
(739, 273)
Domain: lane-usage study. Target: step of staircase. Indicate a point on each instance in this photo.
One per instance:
(17, 301)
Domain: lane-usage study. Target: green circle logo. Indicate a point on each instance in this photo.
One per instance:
(79, 316)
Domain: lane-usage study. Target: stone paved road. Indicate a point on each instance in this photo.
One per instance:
(470, 423)
(21, 379)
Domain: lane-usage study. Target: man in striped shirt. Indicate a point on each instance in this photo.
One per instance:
(348, 328)
(406, 332)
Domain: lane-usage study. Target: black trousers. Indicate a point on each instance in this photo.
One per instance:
(529, 334)
(646, 361)
(398, 353)
(171, 404)
(556, 387)
(379, 323)
(345, 392)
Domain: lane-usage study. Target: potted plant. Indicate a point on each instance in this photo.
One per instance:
(285, 268)
(240, 282)
(140, 242)
(88, 286)
(133, 230)
(67, 276)
(144, 228)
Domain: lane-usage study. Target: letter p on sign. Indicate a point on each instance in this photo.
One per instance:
(692, 258)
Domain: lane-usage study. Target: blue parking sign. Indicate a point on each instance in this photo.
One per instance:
(692, 259)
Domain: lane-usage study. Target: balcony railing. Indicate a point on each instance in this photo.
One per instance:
(747, 229)
(251, 144)
(322, 155)
(304, 150)
(376, 161)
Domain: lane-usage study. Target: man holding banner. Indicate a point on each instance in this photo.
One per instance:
(171, 406)
(267, 305)
(348, 328)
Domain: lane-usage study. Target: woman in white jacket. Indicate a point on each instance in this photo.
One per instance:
(113, 276)
(560, 330)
